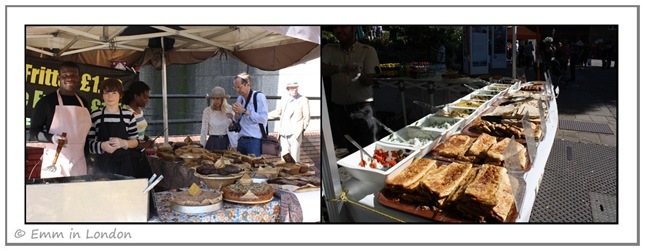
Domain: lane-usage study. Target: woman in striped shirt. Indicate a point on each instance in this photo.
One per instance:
(114, 130)
(135, 99)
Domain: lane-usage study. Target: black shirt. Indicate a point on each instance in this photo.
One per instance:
(43, 114)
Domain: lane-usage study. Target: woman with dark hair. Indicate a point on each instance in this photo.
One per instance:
(113, 132)
(135, 99)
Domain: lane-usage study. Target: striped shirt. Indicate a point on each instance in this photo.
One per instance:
(142, 123)
(128, 119)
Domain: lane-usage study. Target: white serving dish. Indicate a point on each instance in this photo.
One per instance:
(428, 138)
(371, 175)
(427, 122)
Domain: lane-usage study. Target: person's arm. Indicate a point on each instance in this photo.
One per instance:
(204, 131)
(369, 68)
(37, 130)
(94, 146)
(133, 136)
(328, 69)
(305, 114)
(278, 110)
(260, 116)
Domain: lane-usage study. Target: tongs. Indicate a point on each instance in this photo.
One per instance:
(155, 139)
(59, 147)
(515, 100)
(389, 130)
(428, 106)
(469, 87)
(152, 182)
(360, 149)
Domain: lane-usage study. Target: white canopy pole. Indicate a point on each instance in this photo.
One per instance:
(514, 73)
(164, 91)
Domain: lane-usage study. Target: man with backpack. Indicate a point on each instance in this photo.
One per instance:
(251, 114)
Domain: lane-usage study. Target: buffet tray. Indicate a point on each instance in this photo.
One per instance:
(391, 200)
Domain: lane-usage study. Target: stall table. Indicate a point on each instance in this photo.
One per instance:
(364, 205)
(285, 207)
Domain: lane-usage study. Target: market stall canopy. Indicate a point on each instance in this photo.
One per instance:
(265, 47)
(523, 33)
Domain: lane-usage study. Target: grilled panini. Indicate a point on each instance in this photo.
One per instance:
(483, 189)
(407, 179)
(455, 146)
(442, 183)
(481, 145)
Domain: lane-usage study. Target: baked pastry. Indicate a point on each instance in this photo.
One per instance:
(483, 189)
(244, 190)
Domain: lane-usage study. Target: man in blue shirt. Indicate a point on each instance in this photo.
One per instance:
(250, 116)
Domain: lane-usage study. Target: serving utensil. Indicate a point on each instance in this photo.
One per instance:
(59, 147)
(389, 130)
(428, 106)
(360, 149)
(153, 184)
(469, 87)
(155, 139)
(515, 100)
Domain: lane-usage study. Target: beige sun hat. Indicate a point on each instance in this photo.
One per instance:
(292, 84)
(218, 92)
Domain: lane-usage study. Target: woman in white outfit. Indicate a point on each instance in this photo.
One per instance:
(215, 121)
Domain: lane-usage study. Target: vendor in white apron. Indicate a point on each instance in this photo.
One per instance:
(68, 114)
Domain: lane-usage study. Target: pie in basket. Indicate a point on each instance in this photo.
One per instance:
(245, 190)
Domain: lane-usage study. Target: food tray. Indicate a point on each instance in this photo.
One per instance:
(197, 209)
(390, 199)
(372, 175)
(431, 136)
(428, 121)
(467, 130)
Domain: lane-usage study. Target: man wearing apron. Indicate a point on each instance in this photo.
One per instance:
(51, 118)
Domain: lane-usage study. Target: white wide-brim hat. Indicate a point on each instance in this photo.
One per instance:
(292, 84)
(218, 92)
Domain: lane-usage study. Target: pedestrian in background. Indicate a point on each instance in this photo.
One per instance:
(293, 111)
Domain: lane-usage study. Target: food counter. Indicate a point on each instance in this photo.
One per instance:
(366, 200)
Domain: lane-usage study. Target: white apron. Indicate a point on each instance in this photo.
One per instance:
(76, 122)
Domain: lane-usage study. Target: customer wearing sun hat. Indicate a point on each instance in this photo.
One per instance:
(215, 121)
(293, 111)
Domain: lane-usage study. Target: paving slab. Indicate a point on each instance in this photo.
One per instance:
(583, 117)
(599, 119)
(588, 137)
(608, 140)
